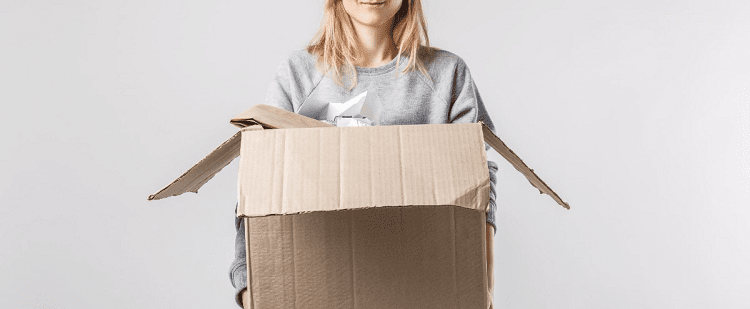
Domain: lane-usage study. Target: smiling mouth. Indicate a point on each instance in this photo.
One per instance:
(372, 3)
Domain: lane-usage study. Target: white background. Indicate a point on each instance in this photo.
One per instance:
(636, 112)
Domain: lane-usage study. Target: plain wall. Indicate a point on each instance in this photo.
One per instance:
(636, 112)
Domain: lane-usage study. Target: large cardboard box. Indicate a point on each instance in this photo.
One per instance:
(360, 217)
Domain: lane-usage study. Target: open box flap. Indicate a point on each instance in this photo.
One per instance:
(275, 118)
(259, 116)
(514, 160)
(205, 169)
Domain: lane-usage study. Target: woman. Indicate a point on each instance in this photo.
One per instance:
(380, 46)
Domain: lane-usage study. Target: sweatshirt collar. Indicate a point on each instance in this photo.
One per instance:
(388, 67)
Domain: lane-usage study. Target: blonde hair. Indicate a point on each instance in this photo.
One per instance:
(335, 43)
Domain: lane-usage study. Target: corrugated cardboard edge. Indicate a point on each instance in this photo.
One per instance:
(490, 259)
(292, 213)
(514, 160)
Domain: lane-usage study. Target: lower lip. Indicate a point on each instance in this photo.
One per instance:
(374, 4)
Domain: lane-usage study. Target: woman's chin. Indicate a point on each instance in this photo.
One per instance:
(374, 21)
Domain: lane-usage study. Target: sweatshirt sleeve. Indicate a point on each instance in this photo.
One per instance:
(279, 93)
(466, 106)
(238, 269)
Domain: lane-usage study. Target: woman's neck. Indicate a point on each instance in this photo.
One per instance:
(375, 44)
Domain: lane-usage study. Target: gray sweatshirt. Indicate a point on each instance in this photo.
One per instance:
(449, 96)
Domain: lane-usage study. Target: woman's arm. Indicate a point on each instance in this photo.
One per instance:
(238, 269)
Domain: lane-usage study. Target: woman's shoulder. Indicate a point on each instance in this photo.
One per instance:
(301, 67)
(444, 68)
(299, 59)
(440, 59)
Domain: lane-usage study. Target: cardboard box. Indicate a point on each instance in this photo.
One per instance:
(360, 217)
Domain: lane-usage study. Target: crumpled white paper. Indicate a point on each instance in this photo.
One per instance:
(351, 108)
(353, 113)
(346, 121)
